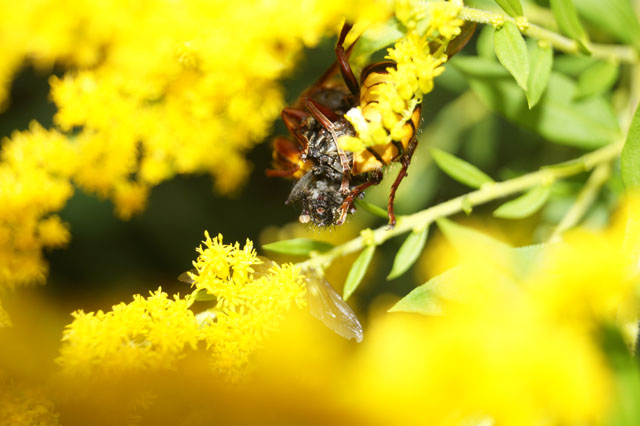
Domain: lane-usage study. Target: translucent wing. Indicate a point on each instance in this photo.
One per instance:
(326, 305)
(324, 302)
(185, 278)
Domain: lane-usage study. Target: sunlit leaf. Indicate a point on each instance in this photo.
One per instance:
(598, 78)
(408, 252)
(616, 17)
(525, 205)
(630, 158)
(203, 296)
(587, 123)
(377, 38)
(568, 21)
(540, 63)
(372, 208)
(512, 53)
(460, 170)
(512, 7)
(298, 246)
(357, 271)
(427, 299)
(484, 43)
(464, 238)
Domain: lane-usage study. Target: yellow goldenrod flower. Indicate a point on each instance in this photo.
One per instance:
(5, 320)
(35, 168)
(394, 99)
(23, 405)
(252, 295)
(149, 92)
(147, 334)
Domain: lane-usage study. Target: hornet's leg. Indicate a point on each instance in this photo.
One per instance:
(405, 160)
(285, 154)
(348, 201)
(292, 118)
(343, 61)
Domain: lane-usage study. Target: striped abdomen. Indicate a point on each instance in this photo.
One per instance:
(377, 156)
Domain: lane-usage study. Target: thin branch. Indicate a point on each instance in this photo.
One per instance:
(585, 199)
(488, 192)
(559, 42)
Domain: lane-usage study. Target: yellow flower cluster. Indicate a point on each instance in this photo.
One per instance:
(519, 338)
(21, 404)
(252, 295)
(393, 101)
(148, 333)
(152, 333)
(514, 344)
(35, 167)
(151, 89)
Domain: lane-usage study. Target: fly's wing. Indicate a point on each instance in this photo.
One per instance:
(327, 306)
(185, 278)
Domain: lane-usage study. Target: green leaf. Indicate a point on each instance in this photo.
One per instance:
(460, 170)
(588, 123)
(525, 205)
(463, 238)
(572, 65)
(377, 38)
(298, 246)
(598, 78)
(356, 273)
(630, 157)
(408, 252)
(484, 43)
(568, 21)
(512, 7)
(427, 299)
(372, 208)
(203, 296)
(616, 17)
(512, 53)
(540, 63)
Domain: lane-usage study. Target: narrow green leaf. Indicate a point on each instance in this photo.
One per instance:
(568, 21)
(377, 38)
(525, 205)
(572, 65)
(615, 17)
(464, 238)
(484, 43)
(203, 296)
(356, 273)
(541, 61)
(589, 123)
(408, 252)
(298, 246)
(598, 78)
(630, 158)
(427, 299)
(512, 7)
(460, 170)
(512, 53)
(372, 208)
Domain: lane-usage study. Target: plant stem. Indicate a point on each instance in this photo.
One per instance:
(585, 199)
(488, 192)
(559, 42)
